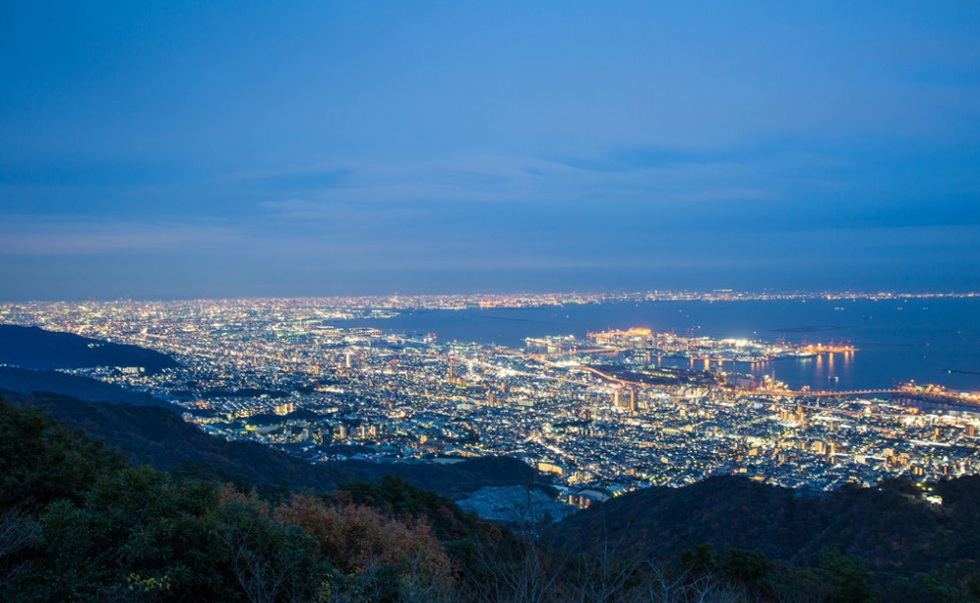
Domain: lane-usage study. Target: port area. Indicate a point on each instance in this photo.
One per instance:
(648, 345)
(634, 358)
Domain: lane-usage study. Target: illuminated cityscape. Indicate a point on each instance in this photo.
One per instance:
(483, 302)
(603, 415)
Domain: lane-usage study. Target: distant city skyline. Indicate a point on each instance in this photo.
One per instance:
(239, 150)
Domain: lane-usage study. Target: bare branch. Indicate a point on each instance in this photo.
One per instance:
(16, 531)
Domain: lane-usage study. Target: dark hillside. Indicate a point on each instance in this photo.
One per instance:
(161, 438)
(79, 523)
(891, 528)
(35, 348)
(27, 381)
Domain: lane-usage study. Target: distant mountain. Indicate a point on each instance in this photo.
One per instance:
(27, 381)
(161, 438)
(35, 348)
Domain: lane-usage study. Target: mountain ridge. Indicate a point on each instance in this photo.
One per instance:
(892, 528)
(158, 437)
(41, 349)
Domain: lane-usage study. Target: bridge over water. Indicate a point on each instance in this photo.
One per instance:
(935, 397)
(842, 394)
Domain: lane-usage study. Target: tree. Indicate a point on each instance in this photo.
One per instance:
(385, 557)
(16, 531)
(271, 561)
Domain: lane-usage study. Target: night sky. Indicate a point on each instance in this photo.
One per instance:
(229, 149)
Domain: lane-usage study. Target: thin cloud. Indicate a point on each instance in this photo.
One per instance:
(21, 236)
(372, 186)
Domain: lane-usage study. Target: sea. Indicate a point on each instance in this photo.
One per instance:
(926, 340)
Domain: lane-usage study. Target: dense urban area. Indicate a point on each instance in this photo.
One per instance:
(603, 415)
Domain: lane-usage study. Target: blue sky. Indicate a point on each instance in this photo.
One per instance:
(229, 149)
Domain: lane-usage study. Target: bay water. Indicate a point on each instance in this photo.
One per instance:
(928, 340)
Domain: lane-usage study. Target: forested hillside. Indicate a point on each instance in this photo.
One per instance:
(161, 438)
(79, 522)
(915, 547)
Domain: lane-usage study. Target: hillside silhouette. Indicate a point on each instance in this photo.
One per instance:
(79, 522)
(28, 381)
(36, 348)
(892, 528)
(162, 439)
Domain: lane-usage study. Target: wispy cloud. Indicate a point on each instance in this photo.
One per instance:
(498, 179)
(66, 235)
(304, 178)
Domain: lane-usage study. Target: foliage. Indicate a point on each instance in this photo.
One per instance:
(901, 541)
(79, 524)
(394, 495)
(393, 558)
(41, 462)
(89, 527)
